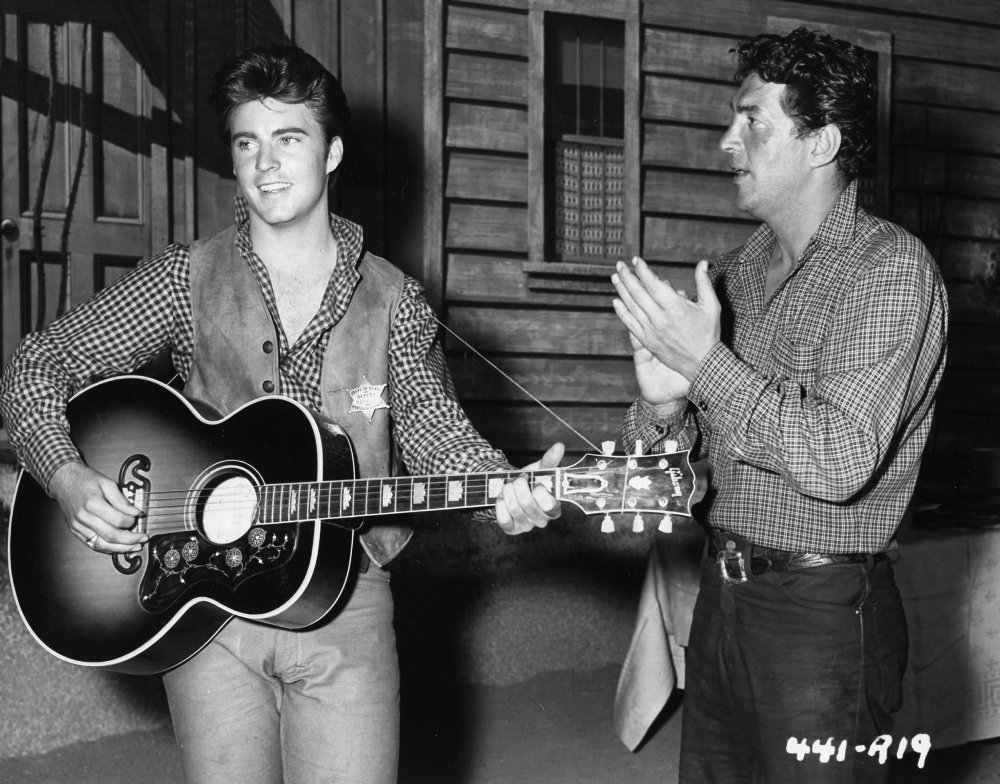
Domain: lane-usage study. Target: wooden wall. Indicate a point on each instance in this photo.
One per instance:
(551, 326)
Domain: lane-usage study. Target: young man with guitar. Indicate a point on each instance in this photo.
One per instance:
(285, 301)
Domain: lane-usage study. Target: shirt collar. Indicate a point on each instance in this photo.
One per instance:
(349, 235)
(837, 229)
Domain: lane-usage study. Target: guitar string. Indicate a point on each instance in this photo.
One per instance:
(514, 381)
(168, 503)
(332, 485)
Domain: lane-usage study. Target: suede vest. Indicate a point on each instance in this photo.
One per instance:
(236, 357)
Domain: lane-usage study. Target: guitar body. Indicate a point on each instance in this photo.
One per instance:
(153, 609)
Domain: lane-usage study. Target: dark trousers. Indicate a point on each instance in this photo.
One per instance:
(812, 654)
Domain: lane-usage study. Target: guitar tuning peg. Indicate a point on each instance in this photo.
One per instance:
(607, 525)
(670, 445)
(638, 447)
(638, 525)
(666, 524)
(608, 448)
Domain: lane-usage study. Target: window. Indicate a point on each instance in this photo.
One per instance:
(583, 138)
(585, 127)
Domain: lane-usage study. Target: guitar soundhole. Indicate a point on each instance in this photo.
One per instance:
(227, 504)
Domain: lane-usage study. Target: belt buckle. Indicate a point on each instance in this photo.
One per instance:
(731, 556)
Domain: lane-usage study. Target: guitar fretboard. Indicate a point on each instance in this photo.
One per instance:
(301, 501)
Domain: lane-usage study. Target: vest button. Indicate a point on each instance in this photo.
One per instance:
(268, 386)
(268, 347)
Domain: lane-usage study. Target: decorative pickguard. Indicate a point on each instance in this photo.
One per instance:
(182, 561)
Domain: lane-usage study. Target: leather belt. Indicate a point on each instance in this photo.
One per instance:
(740, 559)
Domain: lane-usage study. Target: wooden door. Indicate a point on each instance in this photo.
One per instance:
(78, 204)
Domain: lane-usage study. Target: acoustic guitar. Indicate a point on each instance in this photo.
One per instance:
(252, 515)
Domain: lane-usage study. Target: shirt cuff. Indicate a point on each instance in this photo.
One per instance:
(721, 374)
(652, 416)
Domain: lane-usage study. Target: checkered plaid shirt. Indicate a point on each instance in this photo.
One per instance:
(815, 407)
(149, 310)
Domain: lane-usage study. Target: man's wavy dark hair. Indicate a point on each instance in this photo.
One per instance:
(287, 74)
(827, 81)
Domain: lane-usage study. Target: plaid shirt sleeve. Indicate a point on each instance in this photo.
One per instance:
(872, 369)
(115, 332)
(643, 423)
(431, 427)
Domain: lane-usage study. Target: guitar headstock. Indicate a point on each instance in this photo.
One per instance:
(655, 485)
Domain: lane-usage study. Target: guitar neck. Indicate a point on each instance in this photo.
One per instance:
(344, 498)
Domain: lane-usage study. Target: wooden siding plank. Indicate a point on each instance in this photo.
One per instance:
(973, 303)
(517, 5)
(973, 346)
(486, 78)
(684, 147)
(942, 84)
(475, 277)
(954, 129)
(967, 261)
(687, 193)
(533, 430)
(684, 100)
(500, 280)
(608, 9)
(496, 31)
(559, 379)
(710, 16)
(496, 128)
(532, 331)
(980, 11)
(498, 178)
(688, 54)
(486, 227)
(688, 240)
(947, 215)
(911, 37)
(946, 173)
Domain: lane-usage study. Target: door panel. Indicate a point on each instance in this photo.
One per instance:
(76, 166)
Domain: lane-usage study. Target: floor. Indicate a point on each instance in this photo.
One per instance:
(552, 729)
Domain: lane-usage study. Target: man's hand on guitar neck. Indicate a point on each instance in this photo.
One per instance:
(96, 511)
(522, 507)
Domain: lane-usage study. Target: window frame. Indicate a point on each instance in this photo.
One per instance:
(627, 12)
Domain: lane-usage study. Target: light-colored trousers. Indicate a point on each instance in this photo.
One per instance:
(261, 705)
